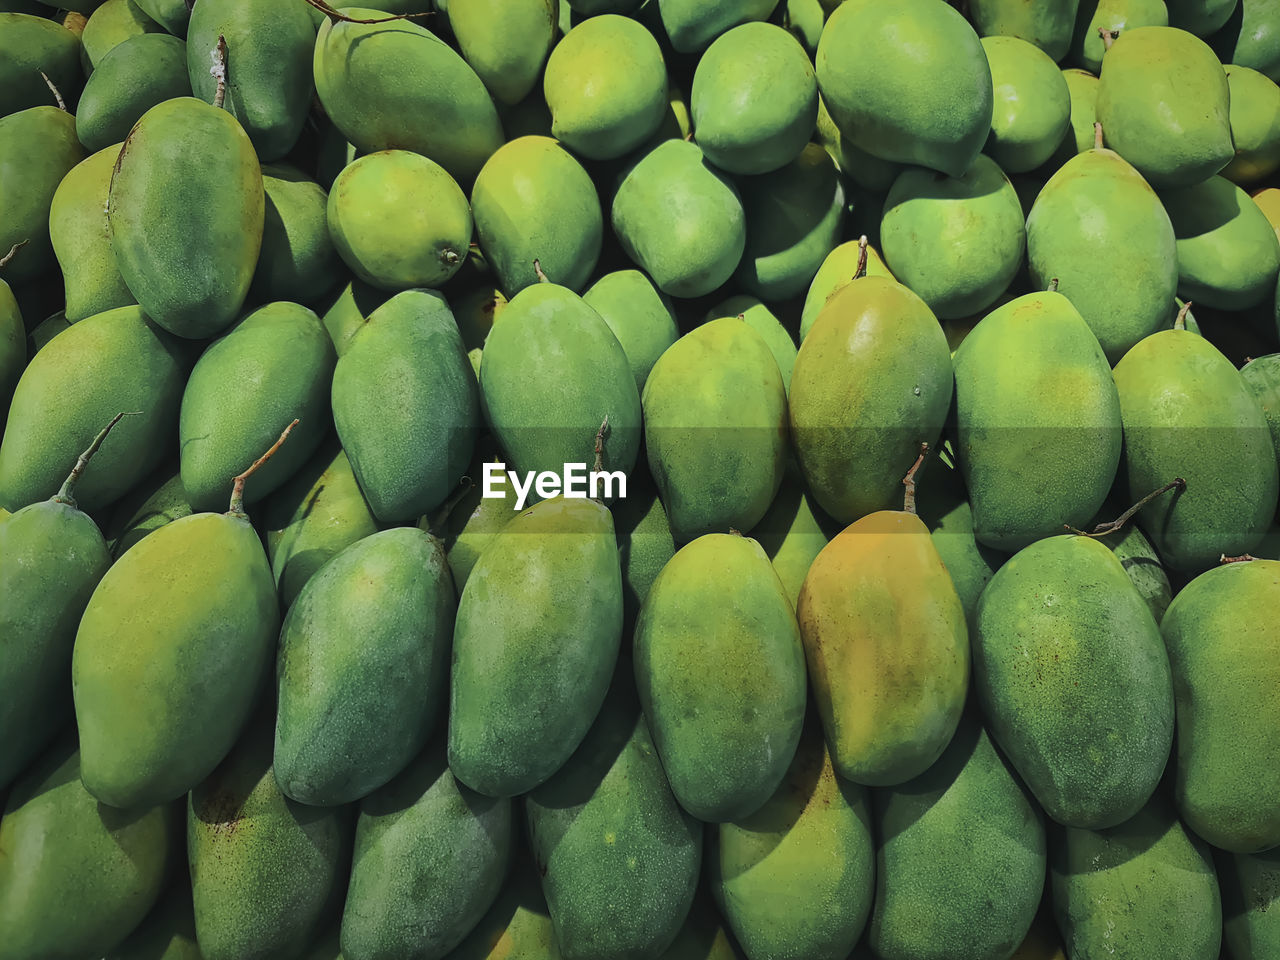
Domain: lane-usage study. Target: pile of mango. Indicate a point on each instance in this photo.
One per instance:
(923, 602)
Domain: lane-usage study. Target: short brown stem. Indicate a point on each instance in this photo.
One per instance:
(1108, 37)
(1097, 136)
(64, 495)
(537, 269)
(1053, 285)
(1102, 529)
(1240, 559)
(909, 481)
(1180, 321)
(333, 14)
(861, 271)
(219, 71)
(437, 521)
(237, 482)
(62, 104)
(4, 261)
(600, 435)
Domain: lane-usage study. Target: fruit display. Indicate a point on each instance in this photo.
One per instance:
(640, 480)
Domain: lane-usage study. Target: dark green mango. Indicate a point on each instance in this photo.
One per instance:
(618, 857)
(110, 25)
(1251, 904)
(408, 357)
(13, 344)
(186, 211)
(44, 331)
(28, 46)
(362, 668)
(350, 309)
(1138, 557)
(1074, 681)
(474, 520)
(1047, 25)
(59, 846)
(517, 926)
(168, 932)
(298, 261)
(1262, 376)
(793, 531)
(265, 871)
(173, 15)
(538, 630)
(692, 24)
(118, 360)
(132, 78)
(275, 366)
(430, 858)
(645, 543)
(136, 516)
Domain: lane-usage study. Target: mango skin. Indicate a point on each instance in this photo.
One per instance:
(505, 42)
(764, 322)
(1187, 413)
(163, 504)
(1224, 675)
(347, 314)
(835, 273)
(173, 15)
(1077, 694)
(31, 44)
(58, 845)
(132, 78)
(13, 344)
(430, 857)
(795, 879)
(274, 366)
(1251, 38)
(1250, 893)
(1082, 87)
(474, 520)
(793, 532)
(1255, 125)
(517, 926)
(966, 834)
(692, 24)
(531, 665)
(167, 933)
(186, 210)
(1262, 376)
(718, 612)
(1139, 559)
(110, 25)
(1032, 105)
(887, 646)
(1047, 25)
(408, 357)
(298, 261)
(639, 315)
(362, 668)
(1087, 46)
(645, 544)
(195, 656)
(112, 362)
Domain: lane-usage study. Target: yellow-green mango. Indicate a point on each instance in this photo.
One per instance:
(872, 381)
(836, 271)
(640, 316)
(349, 311)
(505, 42)
(167, 933)
(1255, 125)
(173, 15)
(1251, 904)
(13, 344)
(59, 846)
(161, 504)
(129, 80)
(474, 519)
(275, 366)
(1225, 671)
(692, 24)
(645, 544)
(793, 532)
(109, 26)
(1032, 105)
(861, 169)
(297, 261)
(764, 322)
(397, 86)
(1262, 376)
(185, 212)
(1087, 45)
(1082, 87)
(31, 44)
(1073, 680)
(1138, 557)
(1187, 413)
(721, 676)
(1251, 37)
(112, 362)
(1047, 25)
(715, 410)
(795, 878)
(517, 926)
(534, 201)
(538, 630)
(407, 357)
(430, 858)
(960, 858)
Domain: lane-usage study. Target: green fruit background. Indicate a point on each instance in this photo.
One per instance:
(640, 480)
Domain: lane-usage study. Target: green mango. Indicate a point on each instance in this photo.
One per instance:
(1228, 254)
(1255, 125)
(619, 859)
(430, 858)
(476, 312)
(1187, 413)
(298, 261)
(114, 361)
(1087, 45)
(185, 212)
(755, 99)
(1224, 674)
(794, 219)
(38, 146)
(715, 422)
(795, 878)
(30, 45)
(1251, 37)
(1251, 904)
(363, 663)
(333, 152)
(721, 676)
(1096, 220)
(692, 24)
(173, 15)
(167, 933)
(1077, 694)
(350, 311)
(532, 661)
(506, 42)
(956, 242)
(1201, 17)
(907, 82)
(763, 321)
(44, 331)
(264, 870)
(517, 926)
(408, 356)
(59, 846)
(1032, 105)
(1171, 138)
(960, 861)
(836, 271)
(861, 168)
(531, 117)
(1145, 888)
(552, 372)
(1047, 25)
(474, 520)
(275, 366)
(533, 201)
(163, 504)
(1037, 421)
(591, 8)
(13, 344)
(1262, 376)
(269, 83)
(1082, 87)
(109, 26)
(398, 220)
(704, 936)
(872, 381)
(1139, 559)
(645, 544)
(641, 318)
(680, 220)
(397, 86)
(130, 79)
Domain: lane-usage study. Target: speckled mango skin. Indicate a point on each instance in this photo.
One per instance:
(619, 859)
(794, 880)
(1074, 681)
(1032, 106)
(1251, 904)
(157, 644)
(265, 871)
(430, 858)
(517, 926)
(31, 44)
(1047, 25)
(834, 274)
(298, 261)
(506, 42)
(167, 933)
(640, 317)
(537, 634)
(1143, 889)
(692, 24)
(887, 646)
(1223, 641)
(362, 667)
(721, 675)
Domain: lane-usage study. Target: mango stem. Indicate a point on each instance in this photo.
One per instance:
(537, 269)
(334, 15)
(1240, 559)
(436, 521)
(62, 104)
(1102, 529)
(4, 261)
(600, 435)
(1097, 136)
(1180, 321)
(1053, 285)
(909, 481)
(861, 271)
(64, 495)
(237, 482)
(1108, 37)
(219, 71)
